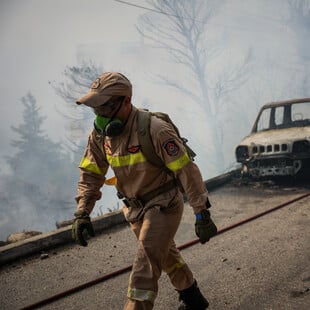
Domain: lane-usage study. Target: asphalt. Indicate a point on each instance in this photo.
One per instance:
(262, 264)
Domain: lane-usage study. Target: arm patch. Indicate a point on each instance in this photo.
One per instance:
(171, 147)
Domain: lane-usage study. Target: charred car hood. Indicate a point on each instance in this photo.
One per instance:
(277, 136)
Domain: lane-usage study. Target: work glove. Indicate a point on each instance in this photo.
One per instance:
(204, 226)
(80, 224)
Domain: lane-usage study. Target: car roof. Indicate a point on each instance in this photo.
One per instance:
(276, 104)
(284, 102)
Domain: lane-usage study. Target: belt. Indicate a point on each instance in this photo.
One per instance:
(142, 200)
(157, 191)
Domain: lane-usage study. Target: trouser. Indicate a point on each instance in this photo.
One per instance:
(156, 252)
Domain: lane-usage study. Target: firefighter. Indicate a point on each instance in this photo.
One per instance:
(153, 201)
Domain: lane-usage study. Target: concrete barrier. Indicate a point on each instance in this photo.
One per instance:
(36, 244)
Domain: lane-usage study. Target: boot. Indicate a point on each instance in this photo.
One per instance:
(192, 299)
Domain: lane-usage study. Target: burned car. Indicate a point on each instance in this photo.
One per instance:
(279, 143)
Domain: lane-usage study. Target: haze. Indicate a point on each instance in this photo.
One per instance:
(40, 39)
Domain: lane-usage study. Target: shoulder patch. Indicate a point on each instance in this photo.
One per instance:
(171, 147)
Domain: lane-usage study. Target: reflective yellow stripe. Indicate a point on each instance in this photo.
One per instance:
(179, 163)
(126, 160)
(131, 159)
(88, 165)
(141, 295)
(177, 265)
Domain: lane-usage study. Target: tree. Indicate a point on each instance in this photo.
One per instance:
(41, 187)
(76, 82)
(181, 30)
(33, 145)
(299, 23)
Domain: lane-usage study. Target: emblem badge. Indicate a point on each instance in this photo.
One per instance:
(134, 149)
(171, 147)
(95, 84)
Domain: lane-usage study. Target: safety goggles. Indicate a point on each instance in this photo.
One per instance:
(111, 104)
(107, 107)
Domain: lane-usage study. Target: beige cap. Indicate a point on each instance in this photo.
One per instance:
(104, 87)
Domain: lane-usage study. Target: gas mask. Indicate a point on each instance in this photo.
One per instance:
(110, 127)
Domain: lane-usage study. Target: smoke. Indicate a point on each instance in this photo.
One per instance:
(34, 53)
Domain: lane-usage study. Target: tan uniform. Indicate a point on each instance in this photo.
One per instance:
(156, 221)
